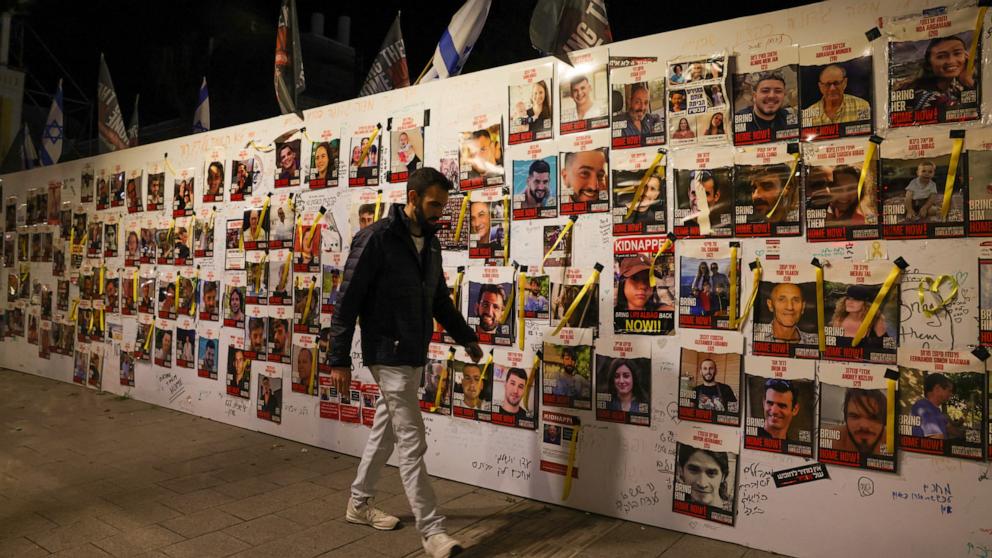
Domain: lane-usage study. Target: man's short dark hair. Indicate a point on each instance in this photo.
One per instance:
(255, 323)
(568, 352)
(577, 80)
(210, 345)
(637, 87)
(494, 289)
(210, 286)
(539, 166)
(518, 372)
(848, 170)
(782, 386)
(934, 380)
(366, 209)
(781, 171)
(422, 179)
(479, 134)
(766, 76)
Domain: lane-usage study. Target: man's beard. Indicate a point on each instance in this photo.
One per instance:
(426, 226)
(863, 448)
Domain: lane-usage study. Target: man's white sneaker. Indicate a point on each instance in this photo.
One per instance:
(367, 514)
(441, 546)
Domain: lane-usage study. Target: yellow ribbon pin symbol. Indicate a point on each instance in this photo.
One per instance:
(933, 285)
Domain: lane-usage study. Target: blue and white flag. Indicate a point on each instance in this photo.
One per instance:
(29, 155)
(201, 118)
(458, 39)
(51, 137)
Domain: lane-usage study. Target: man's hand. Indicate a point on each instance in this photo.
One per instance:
(474, 351)
(341, 379)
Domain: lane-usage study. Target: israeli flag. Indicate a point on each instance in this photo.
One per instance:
(51, 136)
(201, 118)
(458, 39)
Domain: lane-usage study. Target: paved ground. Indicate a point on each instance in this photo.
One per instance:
(91, 474)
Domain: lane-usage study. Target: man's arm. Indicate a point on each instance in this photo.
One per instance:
(449, 317)
(359, 270)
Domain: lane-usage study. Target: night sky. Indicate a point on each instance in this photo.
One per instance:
(162, 49)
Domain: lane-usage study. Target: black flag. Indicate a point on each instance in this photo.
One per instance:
(389, 69)
(558, 27)
(289, 62)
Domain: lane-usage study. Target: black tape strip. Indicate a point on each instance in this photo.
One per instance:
(792, 148)
(892, 374)
(389, 123)
(599, 267)
(903, 264)
(957, 134)
(981, 353)
(873, 33)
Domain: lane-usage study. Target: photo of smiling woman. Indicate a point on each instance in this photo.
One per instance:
(623, 381)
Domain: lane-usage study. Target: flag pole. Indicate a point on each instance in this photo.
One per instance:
(430, 64)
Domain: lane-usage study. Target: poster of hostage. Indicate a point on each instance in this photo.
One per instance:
(854, 422)
(639, 307)
(780, 406)
(710, 377)
(706, 472)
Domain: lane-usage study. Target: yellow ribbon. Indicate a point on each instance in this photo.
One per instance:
(134, 285)
(168, 165)
(313, 372)
(561, 235)
(785, 189)
(952, 171)
(461, 216)
(485, 367)
(509, 300)
(522, 290)
(175, 299)
(869, 155)
(572, 447)
(934, 287)
(894, 274)
(285, 271)
(530, 379)
(820, 310)
(172, 228)
(265, 209)
(196, 285)
(306, 310)
(72, 312)
(148, 340)
(378, 205)
(72, 237)
(368, 145)
(979, 22)
(457, 287)
(639, 190)
(665, 246)
(506, 229)
(593, 279)
(103, 318)
(890, 410)
(732, 314)
(259, 147)
(753, 296)
(257, 276)
(313, 228)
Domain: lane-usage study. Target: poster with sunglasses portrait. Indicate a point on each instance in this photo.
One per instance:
(698, 101)
(710, 377)
(584, 185)
(623, 380)
(915, 184)
(785, 310)
(780, 407)
(363, 163)
(978, 170)
(929, 78)
(406, 144)
(535, 184)
(583, 90)
(489, 221)
(514, 388)
(836, 85)
(531, 103)
(632, 186)
(767, 191)
(480, 159)
(854, 423)
(325, 161)
(213, 177)
(849, 290)
(835, 211)
(704, 192)
(706, 472)
(942, 401)
(705, 277)
(568, 362)
(288, 157)
(637, 105)
(639, 307)
(488, 300)
(434, 391)
(766, 92)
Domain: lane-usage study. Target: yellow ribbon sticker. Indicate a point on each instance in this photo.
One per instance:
(785, 189)
(593, 279)
(757, 270)
(667, 245)
(639, 190)
(952, 172)
(461, 216)
(933, 285)
(732, 314)
(869, 318)
(564, 232)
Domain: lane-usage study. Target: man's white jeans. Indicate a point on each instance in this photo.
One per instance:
(398, 423)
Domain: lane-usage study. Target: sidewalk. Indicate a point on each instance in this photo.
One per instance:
(91, 474)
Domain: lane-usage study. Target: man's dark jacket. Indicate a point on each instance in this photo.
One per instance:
(396, 294)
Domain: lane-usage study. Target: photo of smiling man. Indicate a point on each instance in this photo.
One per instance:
(766, 99)
(535, 188)
(585, 182)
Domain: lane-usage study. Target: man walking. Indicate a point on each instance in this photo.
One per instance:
(393, 282)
